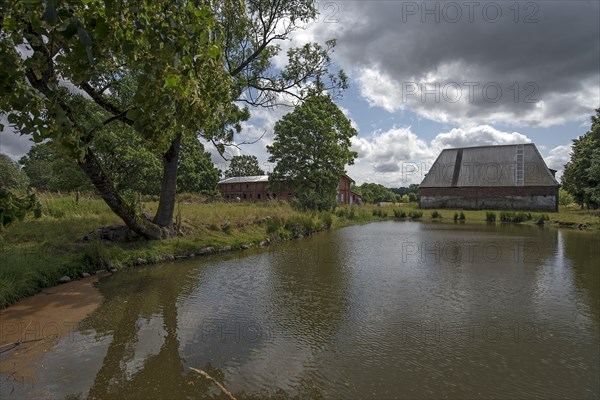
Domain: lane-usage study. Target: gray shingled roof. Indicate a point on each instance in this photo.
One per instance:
(246, 179)
(505, 165)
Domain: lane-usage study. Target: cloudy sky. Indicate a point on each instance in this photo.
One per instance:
(430, 75)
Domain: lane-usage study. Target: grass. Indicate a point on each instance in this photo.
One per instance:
(36, 253)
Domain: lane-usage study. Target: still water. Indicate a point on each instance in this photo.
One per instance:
(385, 310)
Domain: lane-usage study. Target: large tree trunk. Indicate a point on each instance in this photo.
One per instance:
(93, 169)
(166, 205)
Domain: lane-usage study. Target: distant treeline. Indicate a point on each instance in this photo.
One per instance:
(376, 193)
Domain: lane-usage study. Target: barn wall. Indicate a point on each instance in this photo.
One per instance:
(500, 198)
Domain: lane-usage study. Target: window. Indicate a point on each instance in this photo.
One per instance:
(258, 196)
(244, 195)
(246, 186)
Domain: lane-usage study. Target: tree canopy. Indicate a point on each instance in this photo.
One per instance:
(244, 165)
(11, 175)
(376, 193)
(311, 149)
(131, 166)
(581, 176)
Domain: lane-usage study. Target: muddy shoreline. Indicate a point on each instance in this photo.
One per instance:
(31, 327)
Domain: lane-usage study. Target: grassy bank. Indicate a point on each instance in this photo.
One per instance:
(36, 253)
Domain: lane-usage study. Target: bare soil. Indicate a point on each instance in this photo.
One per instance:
(31, 327)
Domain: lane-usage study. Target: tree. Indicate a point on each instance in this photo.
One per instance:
(376, 193)
(564, 198)
(94, 47)
(405, 198)
(197, 173)
(244, 166)
(311, 149)
(412, 197)
(581, 176)
(48, 170)
(131, 166)
(169, 69)
(11, 176)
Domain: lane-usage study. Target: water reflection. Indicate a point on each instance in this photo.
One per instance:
(388, 310)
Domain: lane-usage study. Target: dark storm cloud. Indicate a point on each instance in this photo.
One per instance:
(552, 46)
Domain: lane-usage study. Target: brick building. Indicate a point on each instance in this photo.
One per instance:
(256, 188)
(509, 177)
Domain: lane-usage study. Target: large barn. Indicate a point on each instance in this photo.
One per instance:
(256, 188)
(508, 177)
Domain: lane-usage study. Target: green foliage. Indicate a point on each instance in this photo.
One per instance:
(455, 216)
(405, 198)
(412, 188)
(375, 193)
(244, 166)
(565, 198)
(435, 214)
(380, 213)
(541, 219)
(130, 164)
(11, 176)
(346, 212)
(14, 208)
(415, 215)
(298, 225)
(197, 173)
(399, 214)
(515, 217)
(490, 216)
(311, 149)
(581, 177)
(50, 169)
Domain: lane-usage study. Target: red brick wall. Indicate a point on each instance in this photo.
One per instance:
(251, 191)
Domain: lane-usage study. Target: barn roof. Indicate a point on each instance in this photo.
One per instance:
(246, 179)
(504, 165)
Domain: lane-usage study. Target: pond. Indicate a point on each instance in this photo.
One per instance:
(384, 310)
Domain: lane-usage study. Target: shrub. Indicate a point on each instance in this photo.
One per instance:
(399, 214)
(405, 198)
(455, 216)
(380, 213)
(435, 214)
(273, 225)
(490, 216)
(327, 219)
(506, 216)
(542, 218)
(462, 217)
(415, 214)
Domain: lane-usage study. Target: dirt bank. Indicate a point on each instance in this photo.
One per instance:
(31, 327)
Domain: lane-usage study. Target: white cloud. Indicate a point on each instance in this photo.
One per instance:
(558, 157)
(379, 90)
(481, 135)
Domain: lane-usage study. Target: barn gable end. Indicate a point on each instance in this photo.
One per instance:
(511, 177)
